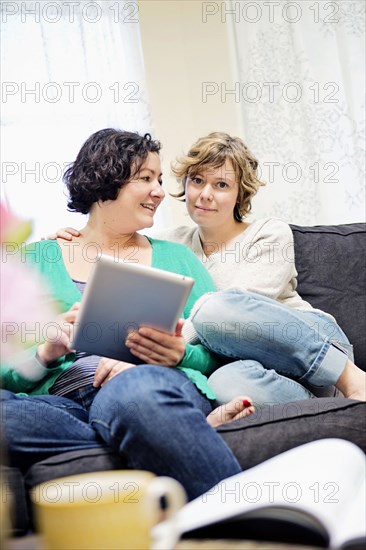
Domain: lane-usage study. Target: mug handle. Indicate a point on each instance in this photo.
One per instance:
(166, 534)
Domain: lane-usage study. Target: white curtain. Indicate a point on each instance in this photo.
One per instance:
(68, 69)
(301, 88)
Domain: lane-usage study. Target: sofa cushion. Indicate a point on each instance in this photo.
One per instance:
(274, 429)
(72, 463)
(271, 430)
(331, 265)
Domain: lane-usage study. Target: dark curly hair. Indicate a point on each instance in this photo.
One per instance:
(106, 162)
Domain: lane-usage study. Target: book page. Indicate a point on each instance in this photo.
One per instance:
(319, 478)
(352, 520)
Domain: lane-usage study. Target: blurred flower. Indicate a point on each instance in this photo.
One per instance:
(25, 307)
(13, 229)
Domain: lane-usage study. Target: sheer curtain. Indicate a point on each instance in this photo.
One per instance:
(301, 88)
(68, 69)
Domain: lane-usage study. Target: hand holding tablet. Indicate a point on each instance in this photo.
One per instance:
(156, 347)
(121, 297)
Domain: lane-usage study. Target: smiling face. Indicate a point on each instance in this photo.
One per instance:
(211, 195)
(137, 201)
(229, 159)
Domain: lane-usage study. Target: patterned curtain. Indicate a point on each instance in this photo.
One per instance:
(301, 89)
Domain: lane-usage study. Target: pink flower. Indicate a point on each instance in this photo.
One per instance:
(12, 228)
(26, 307)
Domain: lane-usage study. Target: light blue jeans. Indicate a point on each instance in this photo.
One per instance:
(282, 354)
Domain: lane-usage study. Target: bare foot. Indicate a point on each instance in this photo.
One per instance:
(238, 407)
(352, 382)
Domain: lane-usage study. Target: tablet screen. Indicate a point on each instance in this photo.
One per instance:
(118, 298)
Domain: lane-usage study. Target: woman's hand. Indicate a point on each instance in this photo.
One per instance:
(157, 347)
(66, 233)
(59, 335)
(108, 369)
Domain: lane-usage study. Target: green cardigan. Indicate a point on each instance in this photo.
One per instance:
(46, 257)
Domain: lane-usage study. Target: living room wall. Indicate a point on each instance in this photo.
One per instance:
(181, 54)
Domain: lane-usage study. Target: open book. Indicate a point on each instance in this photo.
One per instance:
(314, 494)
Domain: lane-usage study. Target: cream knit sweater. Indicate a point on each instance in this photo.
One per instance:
(261, 259)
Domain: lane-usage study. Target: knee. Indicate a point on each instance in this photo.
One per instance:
(133, 397)
(220, 312)
(117, 399)
(207, 306)
(205, 318)
(138, 383)
(239, 378)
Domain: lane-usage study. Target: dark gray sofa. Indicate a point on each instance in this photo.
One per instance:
(331, 263)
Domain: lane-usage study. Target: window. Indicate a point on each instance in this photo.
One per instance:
(68, 69)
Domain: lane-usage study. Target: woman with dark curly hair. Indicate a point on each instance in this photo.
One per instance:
(286, 349)
(107, 160)
(151, 414)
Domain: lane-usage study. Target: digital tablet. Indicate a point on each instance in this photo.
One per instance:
(118, 298)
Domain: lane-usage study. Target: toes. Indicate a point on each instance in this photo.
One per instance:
(237, 408)
(238, 404)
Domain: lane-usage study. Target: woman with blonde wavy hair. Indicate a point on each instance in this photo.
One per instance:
(281, 348)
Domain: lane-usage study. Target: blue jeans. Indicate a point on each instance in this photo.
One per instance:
(156, 418)
(151, 415)
(278, 349)
(40, 426)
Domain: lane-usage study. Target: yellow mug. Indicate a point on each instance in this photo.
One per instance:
(105, 510)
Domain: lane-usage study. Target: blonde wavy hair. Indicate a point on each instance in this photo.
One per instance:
(212, 151)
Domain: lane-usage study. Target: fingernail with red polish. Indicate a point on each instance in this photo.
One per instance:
(246, 403)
